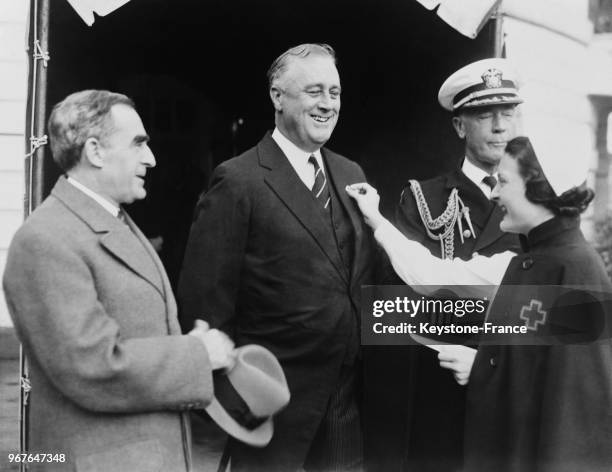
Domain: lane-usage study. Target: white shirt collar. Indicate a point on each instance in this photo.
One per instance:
(476, 174)
(108, 206)
(298, 158)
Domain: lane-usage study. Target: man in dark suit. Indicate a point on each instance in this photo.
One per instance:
(112, 377)
(281, 252)
(415, 421)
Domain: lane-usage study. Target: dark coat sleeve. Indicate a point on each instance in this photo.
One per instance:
(210, 276)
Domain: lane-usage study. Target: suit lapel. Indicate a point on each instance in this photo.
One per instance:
(491, 231)
(338, 178)
(287, 185)
(115, 237)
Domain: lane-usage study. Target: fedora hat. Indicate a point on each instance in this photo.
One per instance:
(249, 394)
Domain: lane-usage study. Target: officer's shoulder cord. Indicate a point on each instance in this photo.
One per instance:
(454, 212)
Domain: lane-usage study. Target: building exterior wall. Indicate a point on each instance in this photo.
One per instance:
(13, 88)
(561, 71)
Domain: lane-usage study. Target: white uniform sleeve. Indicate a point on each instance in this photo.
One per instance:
(416, 266)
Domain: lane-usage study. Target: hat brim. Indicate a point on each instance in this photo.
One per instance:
(491, 101)
(258, 437)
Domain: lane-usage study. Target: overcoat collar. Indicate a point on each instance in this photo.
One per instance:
(555, 231)
(125, 242)
(485, 214)
(283, 180)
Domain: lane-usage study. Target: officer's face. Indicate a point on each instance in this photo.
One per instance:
(486, 131)
(125, 157)
(520, 215)
(307, 101)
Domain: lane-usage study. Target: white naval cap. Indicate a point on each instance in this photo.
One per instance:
(482, 83)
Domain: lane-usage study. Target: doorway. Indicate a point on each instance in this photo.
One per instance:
(197, 72)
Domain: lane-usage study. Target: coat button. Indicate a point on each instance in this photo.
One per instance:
(493, 362)
(527, 263)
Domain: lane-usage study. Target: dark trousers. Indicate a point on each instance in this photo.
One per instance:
(338, 443)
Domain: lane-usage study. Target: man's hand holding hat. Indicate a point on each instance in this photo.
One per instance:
(218, 344)
(249, 394)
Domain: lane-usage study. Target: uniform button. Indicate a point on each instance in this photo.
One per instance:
(527, 263)
(493, 362)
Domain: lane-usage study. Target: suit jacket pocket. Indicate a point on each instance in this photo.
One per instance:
(139, 456)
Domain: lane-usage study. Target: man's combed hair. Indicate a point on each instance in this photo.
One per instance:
(80, 116)
(537, 188)
(303, 50)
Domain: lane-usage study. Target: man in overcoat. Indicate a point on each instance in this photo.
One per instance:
(282, 252)
(112, 378)
(415, 409)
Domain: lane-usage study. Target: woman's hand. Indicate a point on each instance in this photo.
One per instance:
(458, 359)
(367, 199)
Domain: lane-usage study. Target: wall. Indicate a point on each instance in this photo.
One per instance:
(560, 71)
(13, 84)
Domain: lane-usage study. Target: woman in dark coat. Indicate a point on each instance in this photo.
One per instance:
(545, 406)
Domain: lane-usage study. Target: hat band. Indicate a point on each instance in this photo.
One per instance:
(500, 97)
(465, 93)
(232, 402)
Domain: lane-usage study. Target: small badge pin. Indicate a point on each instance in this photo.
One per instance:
(492, 78)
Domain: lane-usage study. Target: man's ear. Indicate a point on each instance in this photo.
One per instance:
(459, 126)
(275, 95)
(93, 152)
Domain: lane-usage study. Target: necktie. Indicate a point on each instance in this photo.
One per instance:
(490, 181)
(319, 190)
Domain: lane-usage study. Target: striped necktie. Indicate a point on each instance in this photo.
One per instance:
(319, 190)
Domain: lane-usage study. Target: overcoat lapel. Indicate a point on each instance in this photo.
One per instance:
(151, 251)
(115, 237)
(166, 289)
(123, 244)
(284, 181)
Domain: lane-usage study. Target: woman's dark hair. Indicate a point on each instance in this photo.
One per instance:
(537, 188)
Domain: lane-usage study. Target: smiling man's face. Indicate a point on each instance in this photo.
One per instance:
(126, 157)
(486, 130)
(308, 101)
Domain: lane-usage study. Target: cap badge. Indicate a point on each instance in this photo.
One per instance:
(492, 78)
